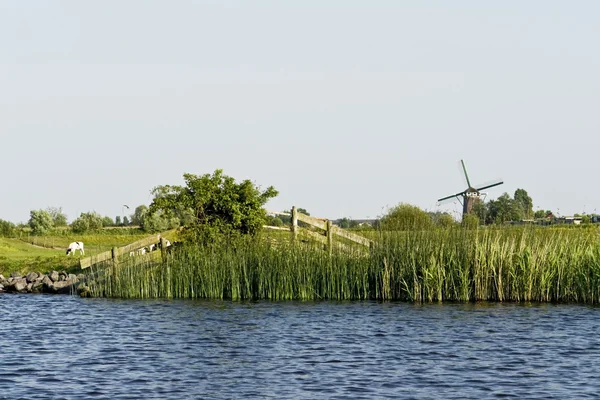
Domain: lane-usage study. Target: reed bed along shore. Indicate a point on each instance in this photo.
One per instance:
(503, 264)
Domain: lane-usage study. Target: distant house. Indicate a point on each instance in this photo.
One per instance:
(538, 221)
(545, 221)
(551, 220)
(570, 220)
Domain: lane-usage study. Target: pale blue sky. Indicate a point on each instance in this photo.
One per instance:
(346, 107)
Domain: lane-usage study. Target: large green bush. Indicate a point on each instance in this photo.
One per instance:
(40, 221)
(58, 217)
(214, 205)
(404, 217)
(89, 221)
(7, 229)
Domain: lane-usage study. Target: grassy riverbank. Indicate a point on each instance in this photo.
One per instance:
(26, 252)
(503, 264)
(18, 256)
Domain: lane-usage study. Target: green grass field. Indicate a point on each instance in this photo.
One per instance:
(47, 253)
(16, 255)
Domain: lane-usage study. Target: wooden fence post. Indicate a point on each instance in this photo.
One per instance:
(329, 233)
(163, 249)
(294, 227)
(115, 262)
(115, 256)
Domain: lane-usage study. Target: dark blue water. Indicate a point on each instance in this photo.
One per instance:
(70, 348)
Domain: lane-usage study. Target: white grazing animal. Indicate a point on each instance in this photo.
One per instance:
(74, 247)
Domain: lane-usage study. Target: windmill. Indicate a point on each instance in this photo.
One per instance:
(471, 194)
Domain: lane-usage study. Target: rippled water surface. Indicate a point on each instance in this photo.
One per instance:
(67, 347)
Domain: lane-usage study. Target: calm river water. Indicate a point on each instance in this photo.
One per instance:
(63, 347)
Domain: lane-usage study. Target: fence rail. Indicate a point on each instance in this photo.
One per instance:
(117, 252)
(325, 225)
(326, 237)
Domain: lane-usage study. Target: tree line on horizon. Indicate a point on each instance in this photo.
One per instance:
(214, 204)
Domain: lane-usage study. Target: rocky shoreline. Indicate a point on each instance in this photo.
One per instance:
(54, 282)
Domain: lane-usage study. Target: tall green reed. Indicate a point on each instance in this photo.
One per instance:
(498, 264)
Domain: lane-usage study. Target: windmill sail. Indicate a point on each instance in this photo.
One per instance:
(465, 171)
(489, 186)
(451, 196)
(471, 194)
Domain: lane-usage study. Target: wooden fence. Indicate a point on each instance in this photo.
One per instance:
(326, 236)
(116, 252)
(328, 230)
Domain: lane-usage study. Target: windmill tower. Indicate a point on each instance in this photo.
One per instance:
(470, 195)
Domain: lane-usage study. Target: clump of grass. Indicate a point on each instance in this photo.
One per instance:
(504, 264)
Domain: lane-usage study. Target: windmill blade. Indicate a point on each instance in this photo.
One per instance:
(451, 197)
(448, 200)
(490, 185)
(465, 171)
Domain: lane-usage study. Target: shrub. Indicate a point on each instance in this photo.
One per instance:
(274, 221)
(405, 217)
(89, 221)
(58, 217)
(159, 222)
(107, 221)
(7, 229)
(40, 221)
(218, 205)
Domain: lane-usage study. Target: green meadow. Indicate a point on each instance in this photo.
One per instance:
(44, 253)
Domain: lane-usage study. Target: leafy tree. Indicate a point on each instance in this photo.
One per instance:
(539, 214)
(40, 221)
(442, 219)
(344, 223)
(89, 221)
(138, 216)
(273, 220)
(58, 217)
(7, 229)
(158, 222)
(481, 210)
(286, 219)
(186, 217)
(80, 225)
(107, 221)
(125, 221)
(356, 224)
(219, 205)
(95, 219)
(406, 217)
(118, 220)
(504, 209)
(586, 219)
(524, 202)
(542, 213)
